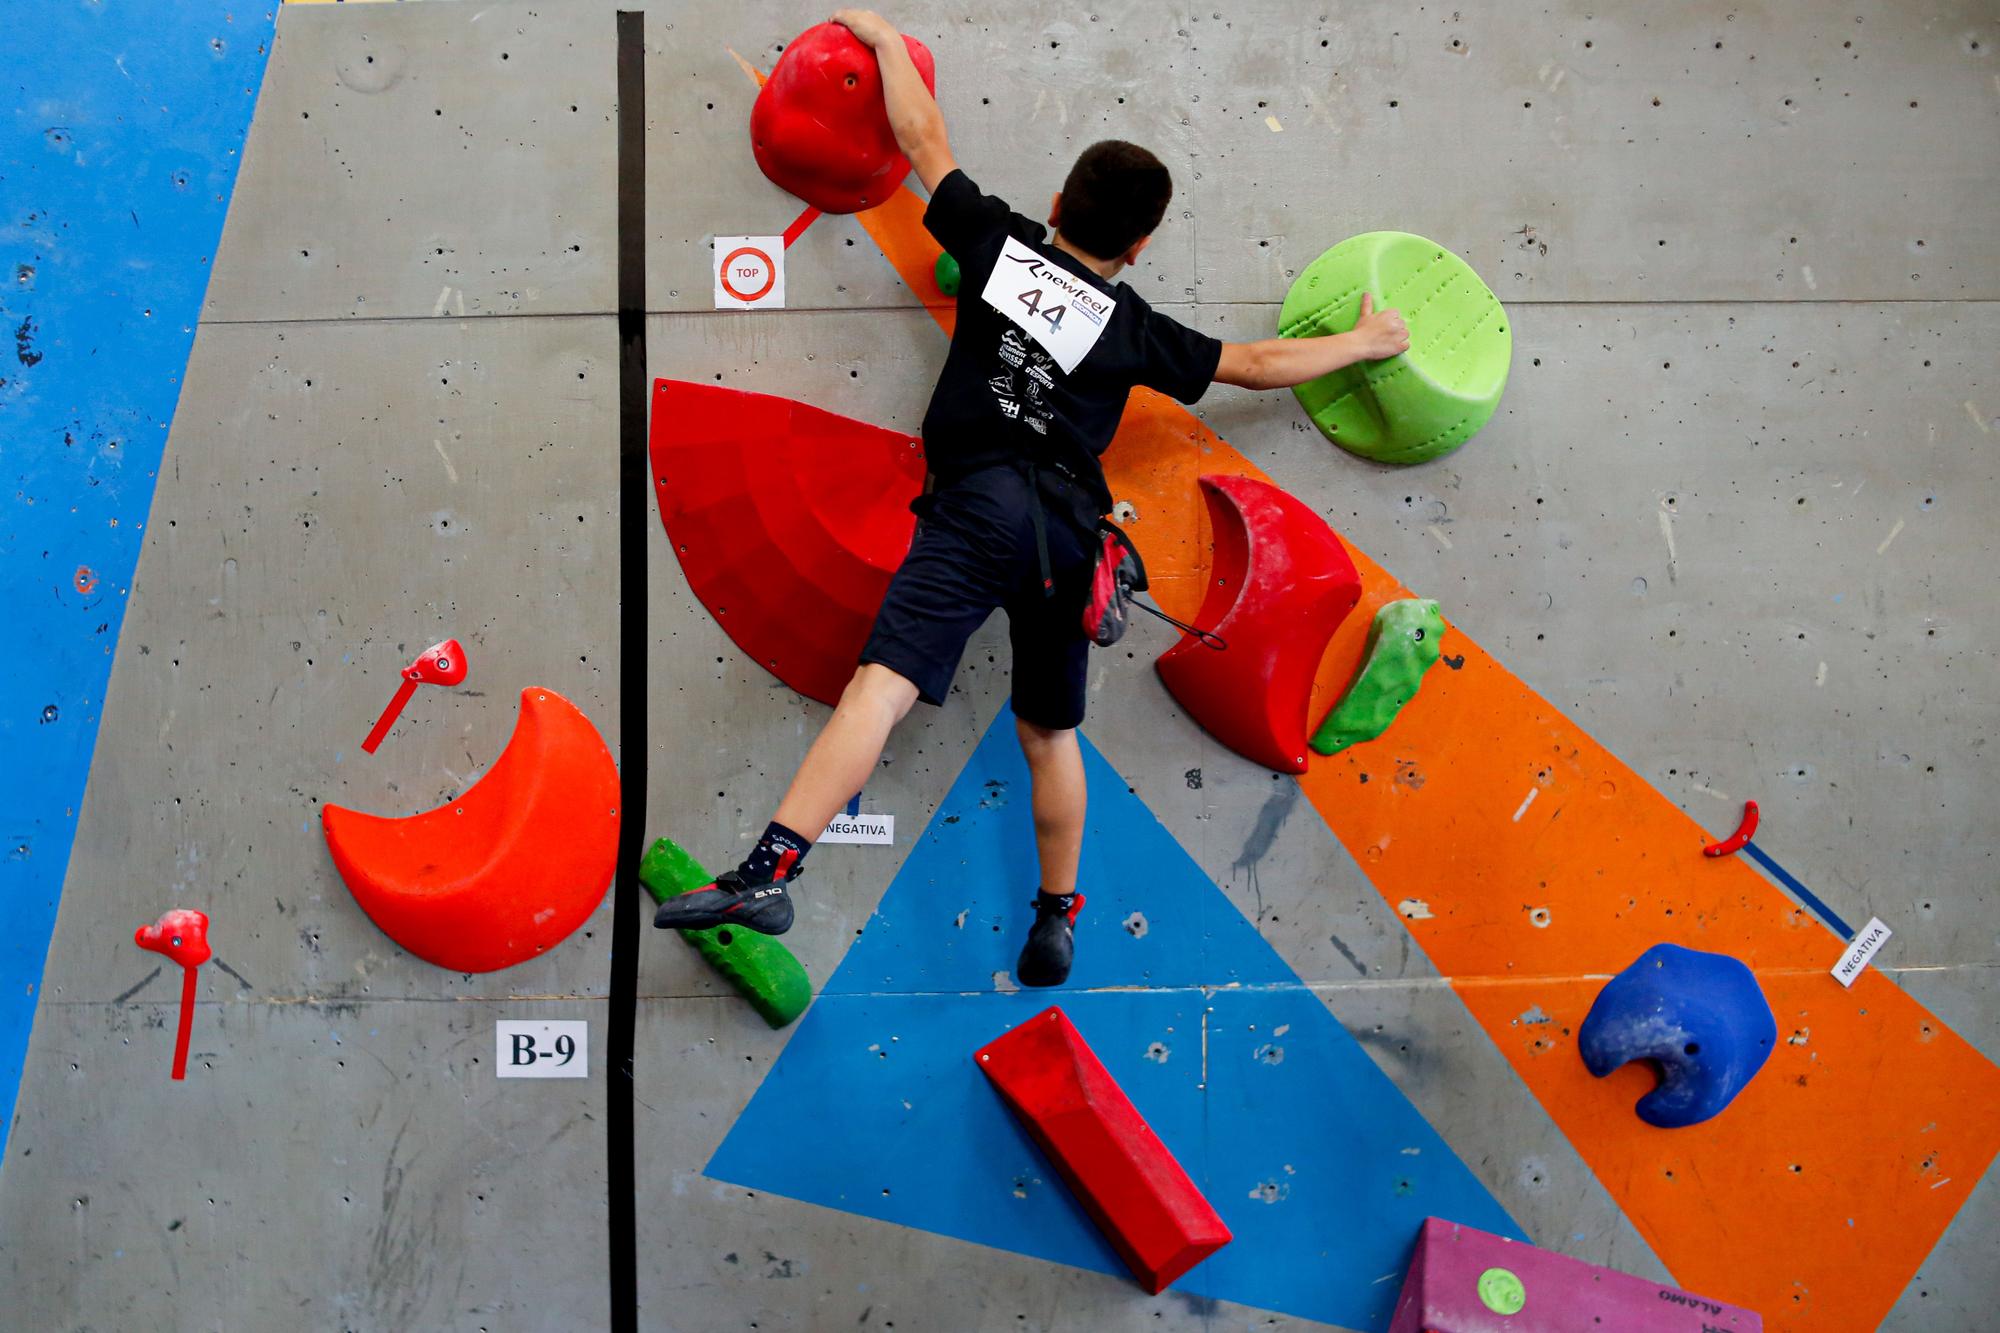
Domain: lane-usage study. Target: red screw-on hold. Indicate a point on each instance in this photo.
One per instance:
(181, 935)
(820, 128)
(1736, 841)
(1147, 1205)
(439, 664)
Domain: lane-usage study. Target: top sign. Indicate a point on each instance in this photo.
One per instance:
(749, 273)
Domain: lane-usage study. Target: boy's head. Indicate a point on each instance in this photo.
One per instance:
(1114, 197)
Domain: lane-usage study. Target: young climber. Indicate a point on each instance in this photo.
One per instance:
(1047, 347)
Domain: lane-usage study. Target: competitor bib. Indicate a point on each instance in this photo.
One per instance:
(1059, 310)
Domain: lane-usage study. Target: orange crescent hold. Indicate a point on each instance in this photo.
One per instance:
(507, 870)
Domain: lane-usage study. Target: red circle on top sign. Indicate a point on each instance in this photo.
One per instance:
(748, 252)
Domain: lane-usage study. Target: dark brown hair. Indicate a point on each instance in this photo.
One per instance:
(1116, 193)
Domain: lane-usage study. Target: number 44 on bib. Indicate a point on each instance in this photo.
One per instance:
(1059, 310)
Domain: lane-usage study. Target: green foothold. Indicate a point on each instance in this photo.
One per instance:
(1403, 642)
(946, 275)
(762, 970)
(1434, 397)
(1501, 1292)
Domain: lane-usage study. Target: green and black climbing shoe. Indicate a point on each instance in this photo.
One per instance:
(730, 901)
(1046, 957)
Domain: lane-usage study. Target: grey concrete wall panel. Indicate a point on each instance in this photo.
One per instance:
(335, 498)
(1579, 152)
(1785, 164)
(451, 160)
(337, 1165)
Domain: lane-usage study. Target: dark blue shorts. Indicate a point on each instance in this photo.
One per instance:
(975, 551)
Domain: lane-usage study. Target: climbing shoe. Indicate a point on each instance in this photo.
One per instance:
(1046, 957)
(730, 901)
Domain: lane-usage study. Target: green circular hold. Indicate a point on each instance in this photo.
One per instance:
(946, 275)
(1501, 1292)
(1434, 397)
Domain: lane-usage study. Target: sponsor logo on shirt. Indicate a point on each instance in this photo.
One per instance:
(1084, 299)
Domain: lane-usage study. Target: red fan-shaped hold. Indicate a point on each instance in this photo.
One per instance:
(1280, 585)
(787, 520)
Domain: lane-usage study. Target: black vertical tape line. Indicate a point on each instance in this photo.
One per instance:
(635, 501)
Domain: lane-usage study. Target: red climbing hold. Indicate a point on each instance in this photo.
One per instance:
(1127, 1181)
(1280, 584)
(439, 664)
(508, 869)
(1736, 841)
(181, 935)
(820, 128)
(788, 522)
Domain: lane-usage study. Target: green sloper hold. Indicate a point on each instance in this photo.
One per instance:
(1403, 641)
(762, 969)
(945, 273)
(1434, 397)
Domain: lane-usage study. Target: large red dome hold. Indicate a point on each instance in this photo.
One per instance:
(820, 128)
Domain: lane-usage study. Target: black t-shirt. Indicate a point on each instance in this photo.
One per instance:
(1002, 396)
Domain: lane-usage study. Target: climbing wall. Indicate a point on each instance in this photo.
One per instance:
(1725, 539)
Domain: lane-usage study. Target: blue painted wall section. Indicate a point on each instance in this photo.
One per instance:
(118, 156)
(1320, 1166)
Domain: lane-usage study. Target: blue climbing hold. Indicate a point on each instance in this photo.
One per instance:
(1699, 1017)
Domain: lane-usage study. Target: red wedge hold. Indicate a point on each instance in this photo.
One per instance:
(1281, 583)
(1124, 1176)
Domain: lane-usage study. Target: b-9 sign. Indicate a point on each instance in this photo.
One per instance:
(523, 1048)
(749, 273)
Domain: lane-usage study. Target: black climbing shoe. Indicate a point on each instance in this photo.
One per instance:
(765, 908)
(1046, 957)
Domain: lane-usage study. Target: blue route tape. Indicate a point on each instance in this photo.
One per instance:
(1800, 891)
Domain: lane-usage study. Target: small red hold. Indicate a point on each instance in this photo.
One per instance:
(1736, 841)
(439, 664)
(181, 935)
(820, 127)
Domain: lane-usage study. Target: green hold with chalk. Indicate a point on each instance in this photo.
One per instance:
(945, 273)
(762, 970)
(1403, 642)
(1434, 397)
